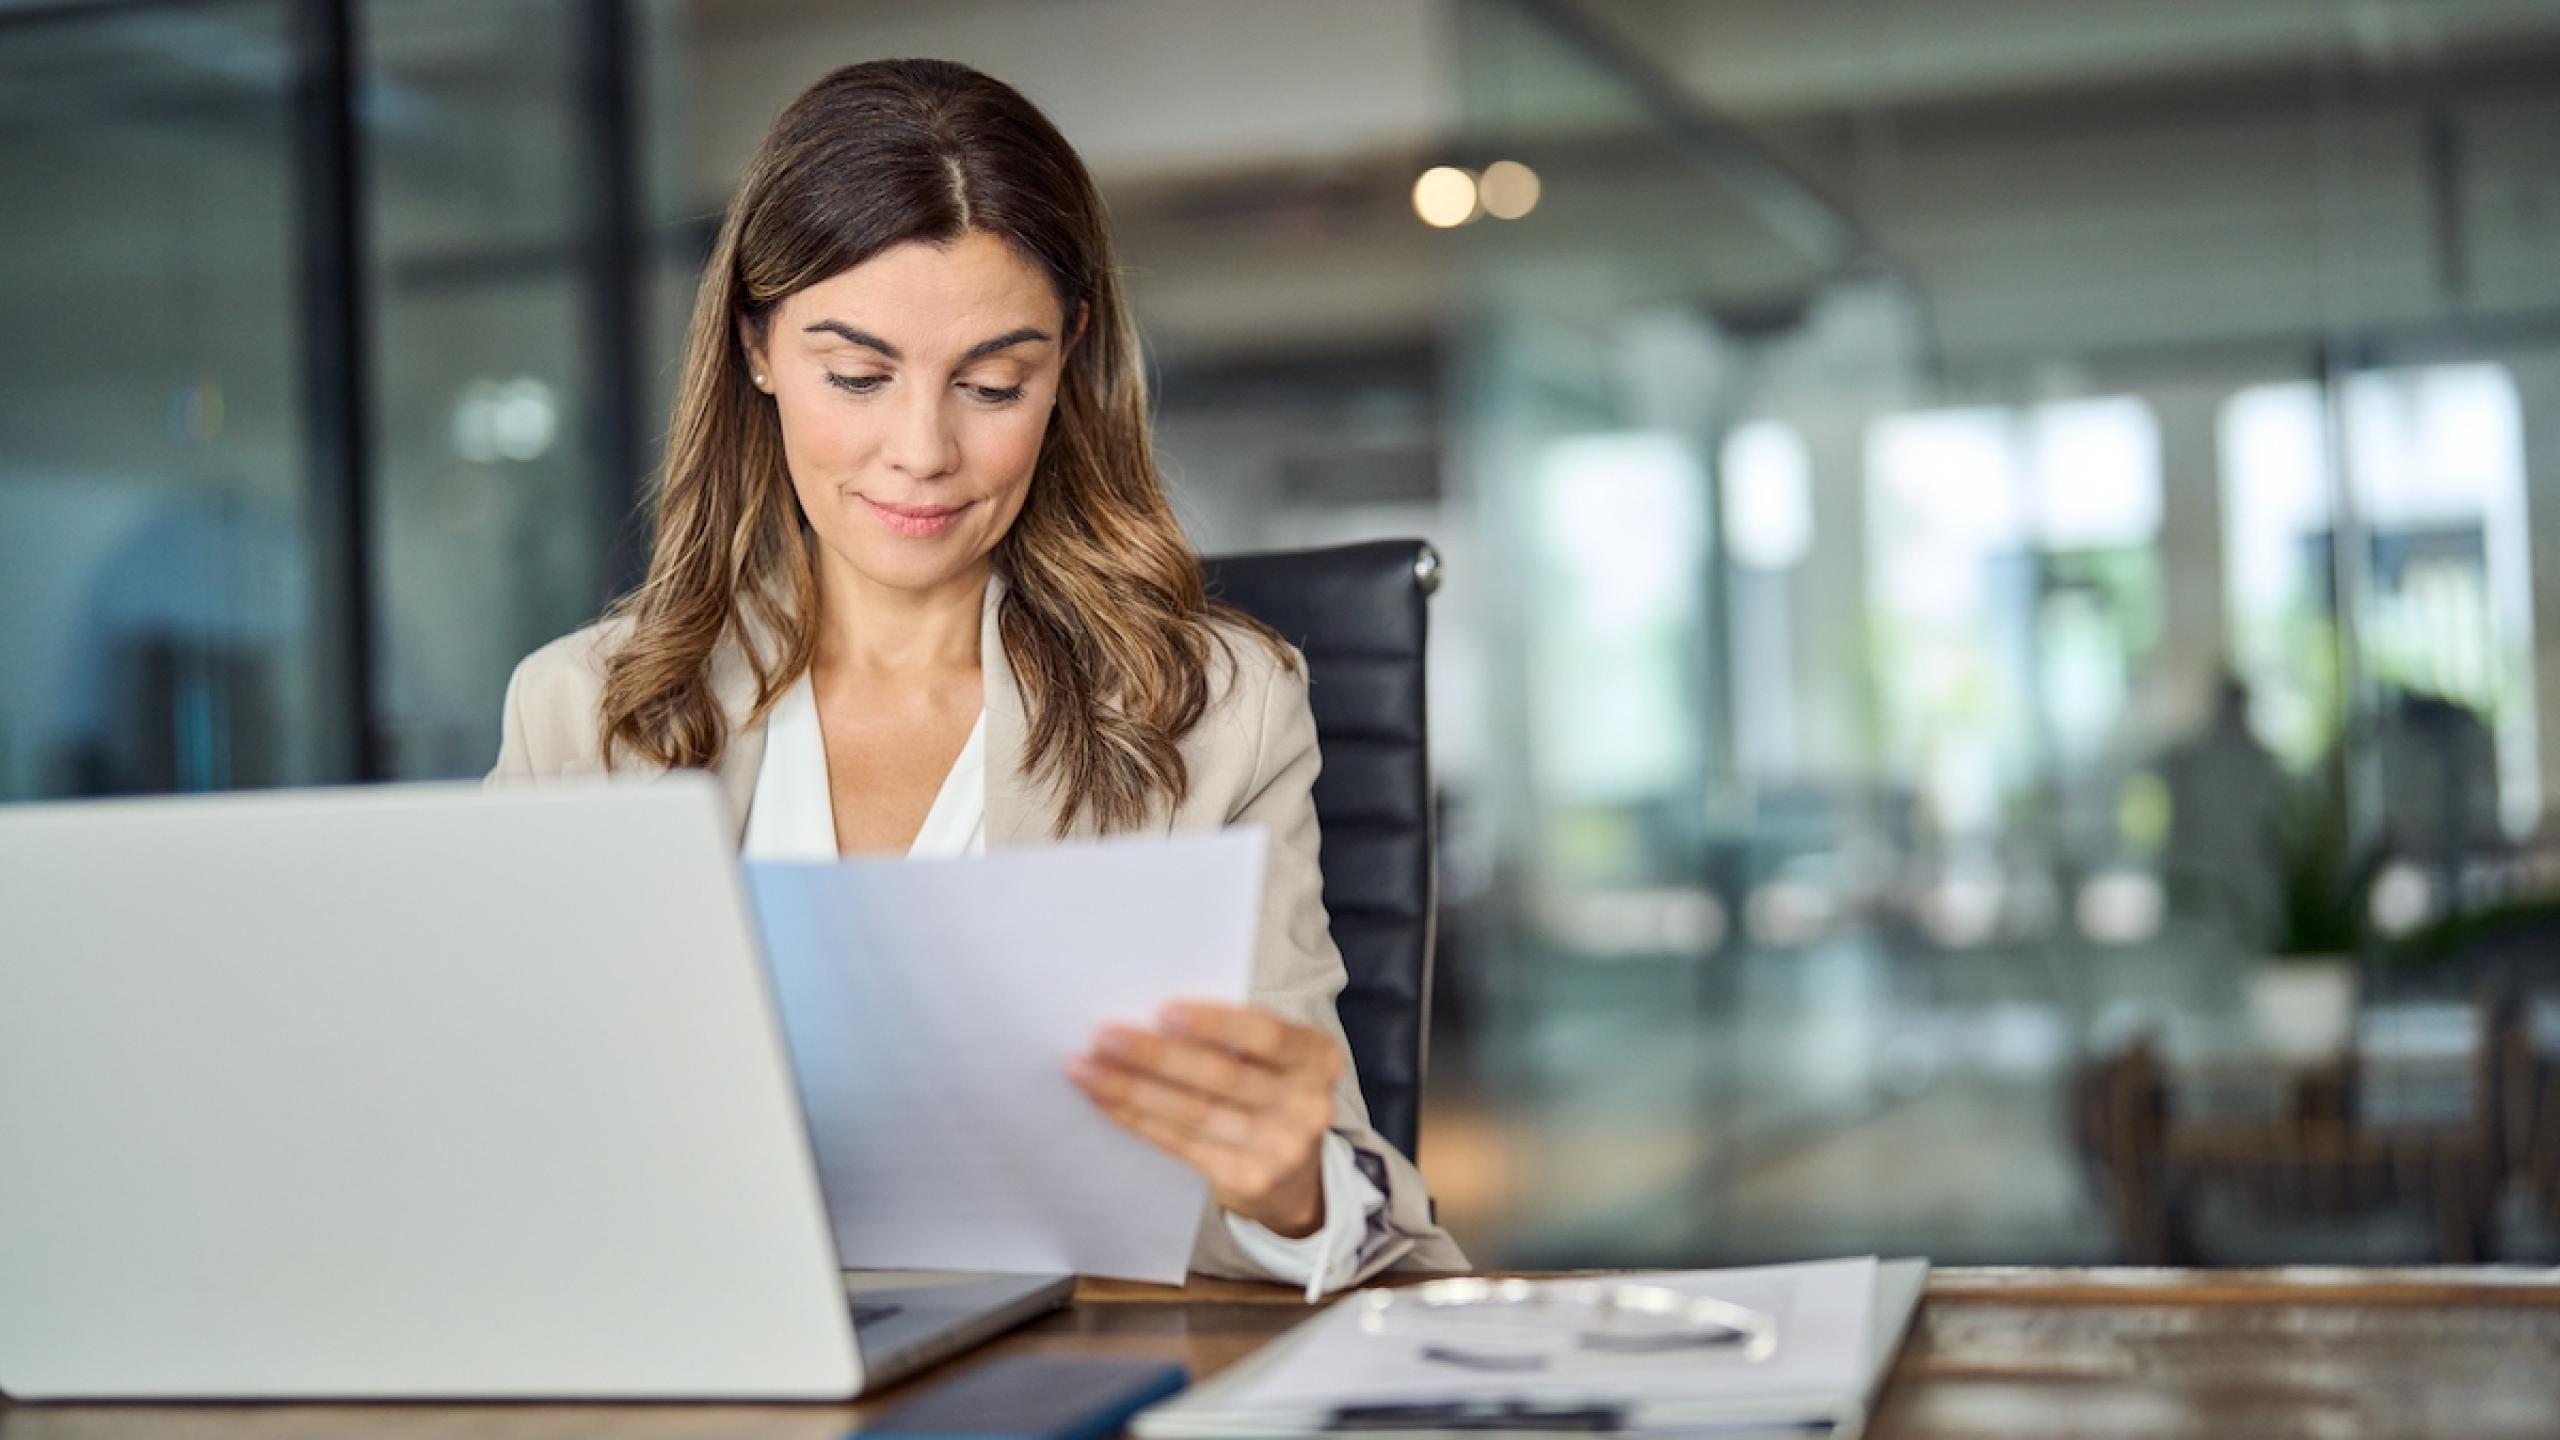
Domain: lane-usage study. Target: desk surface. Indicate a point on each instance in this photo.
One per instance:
(2468, 1353)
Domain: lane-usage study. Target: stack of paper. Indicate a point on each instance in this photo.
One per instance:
(1838, 1325)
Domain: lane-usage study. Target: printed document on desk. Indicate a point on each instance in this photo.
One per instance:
(931, 1007)
(1838, 1325)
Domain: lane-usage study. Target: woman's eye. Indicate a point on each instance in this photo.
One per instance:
(994, 395)
(858, 384)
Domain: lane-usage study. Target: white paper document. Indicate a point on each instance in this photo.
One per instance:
(1837, 1326)
(931, 1007)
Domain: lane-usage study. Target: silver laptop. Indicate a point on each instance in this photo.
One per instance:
(417, 1092)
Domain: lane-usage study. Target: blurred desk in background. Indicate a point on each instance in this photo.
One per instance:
(2473, 1353)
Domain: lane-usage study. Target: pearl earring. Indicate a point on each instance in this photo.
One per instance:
(759, 379)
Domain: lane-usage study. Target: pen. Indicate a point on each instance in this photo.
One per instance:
(1522, 1415)
(1478, 1415)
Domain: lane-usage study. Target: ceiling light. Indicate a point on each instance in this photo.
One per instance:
(1445, 197)
(1509, 189)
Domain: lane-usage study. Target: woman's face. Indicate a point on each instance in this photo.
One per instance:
(914, 390)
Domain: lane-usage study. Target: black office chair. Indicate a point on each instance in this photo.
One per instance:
(1360, 612)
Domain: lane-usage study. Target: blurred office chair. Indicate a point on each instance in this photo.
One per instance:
(1360, 613)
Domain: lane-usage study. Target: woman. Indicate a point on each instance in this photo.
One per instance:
(916, 589)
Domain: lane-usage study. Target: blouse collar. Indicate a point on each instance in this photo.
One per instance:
(1021, 809)
(793, 814)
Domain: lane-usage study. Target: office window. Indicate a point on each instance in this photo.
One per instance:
(1623, 536)
(1765, 484)
(2436, 577)
(2275, 545)
(2015, 590)
(1768, 495)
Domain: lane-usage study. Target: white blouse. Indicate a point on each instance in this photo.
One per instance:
(792, 817)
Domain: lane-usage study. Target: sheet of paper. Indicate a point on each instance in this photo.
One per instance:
(1824, 1313)
(931, 1007)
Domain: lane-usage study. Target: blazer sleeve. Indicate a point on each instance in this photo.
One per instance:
(515, 754)
(1297, 972)
(546, 726)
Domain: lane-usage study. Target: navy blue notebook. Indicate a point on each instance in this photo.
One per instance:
(1033, 1397)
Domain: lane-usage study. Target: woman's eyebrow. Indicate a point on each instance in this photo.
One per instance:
(984, 348)
(862, 338)
(1006, 341)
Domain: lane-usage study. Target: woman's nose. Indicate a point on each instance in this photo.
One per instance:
(921, 442)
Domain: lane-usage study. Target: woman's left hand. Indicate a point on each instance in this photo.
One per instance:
(1240, 1095)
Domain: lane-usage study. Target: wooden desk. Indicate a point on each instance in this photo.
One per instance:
(2300, 1142)
(2473, 1354)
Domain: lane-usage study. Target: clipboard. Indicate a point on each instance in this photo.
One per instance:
(1209, 1411)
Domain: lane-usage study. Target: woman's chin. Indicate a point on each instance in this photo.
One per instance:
(917, 565)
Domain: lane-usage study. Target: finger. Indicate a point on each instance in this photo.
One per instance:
(1116, 1085)
(1234, 1176)
(1281, 1044)
(1241, 1179)
(1211, 1069)
(1188, 1146)
(1263, 1140)
(1230, 1168)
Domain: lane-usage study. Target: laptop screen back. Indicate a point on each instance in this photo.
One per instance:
(402, 1092)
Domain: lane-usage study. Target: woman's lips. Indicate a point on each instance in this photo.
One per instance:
(916, 522)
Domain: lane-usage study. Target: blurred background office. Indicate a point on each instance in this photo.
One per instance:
(1997, 691)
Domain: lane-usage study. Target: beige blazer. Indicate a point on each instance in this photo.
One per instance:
(1252, 760)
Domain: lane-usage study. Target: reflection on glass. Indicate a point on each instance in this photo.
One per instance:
(485, 541)
(156, 601)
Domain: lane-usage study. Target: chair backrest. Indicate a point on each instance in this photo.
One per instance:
(1359, 612)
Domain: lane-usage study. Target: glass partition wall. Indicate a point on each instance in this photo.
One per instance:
(334, 352)
(159, 544)
(1986, 584)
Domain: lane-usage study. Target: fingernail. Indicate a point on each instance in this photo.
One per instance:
(1081, 1070)
(1115, 1041)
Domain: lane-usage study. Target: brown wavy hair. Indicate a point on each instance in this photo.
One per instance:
(1105, 619)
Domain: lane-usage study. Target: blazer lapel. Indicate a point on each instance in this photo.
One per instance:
(733, 684)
